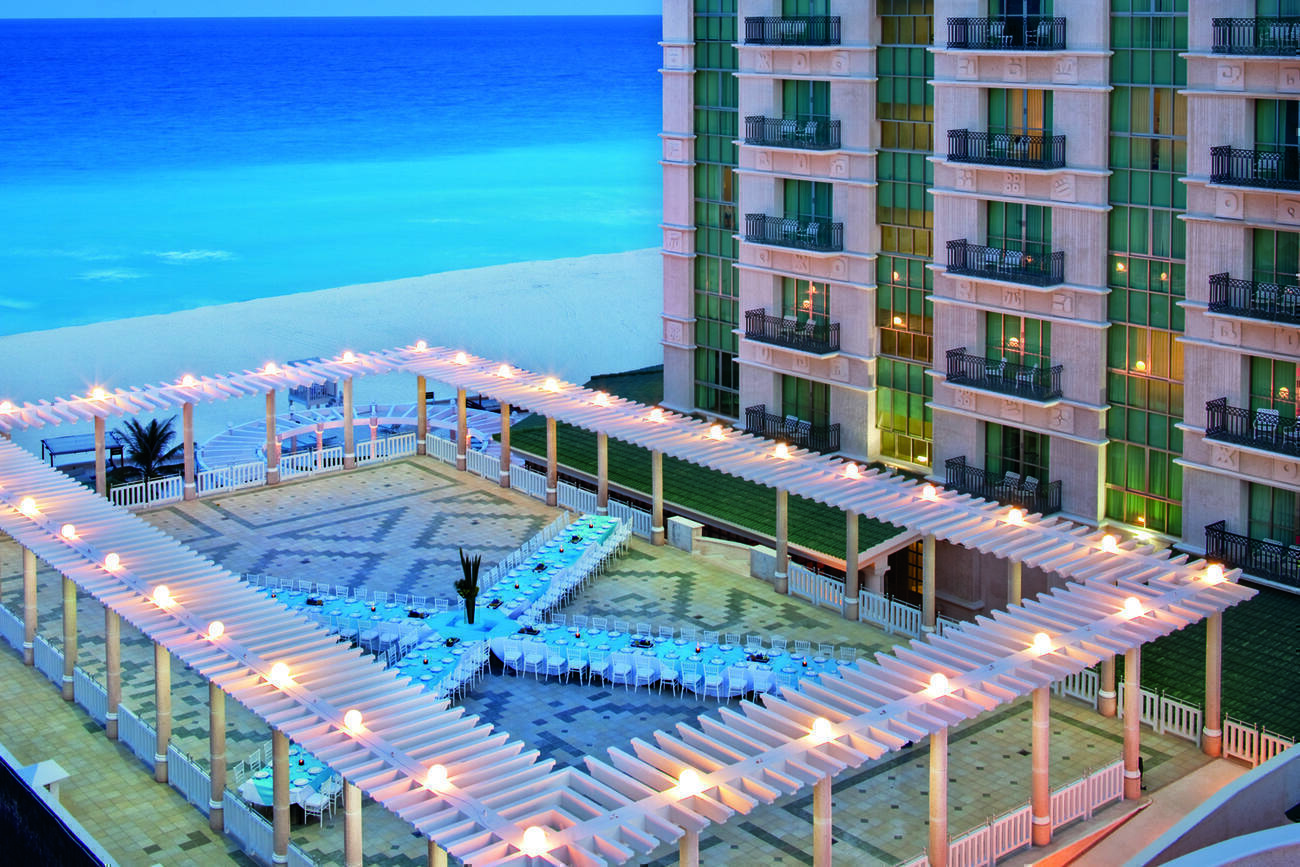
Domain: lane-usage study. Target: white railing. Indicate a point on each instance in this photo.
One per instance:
(385, 448)
(188, 778)
(1106, 785)
(400, 446)
(49, 661)
(1250, 744)
(483, 465)
(440, 448)
(137, 734)
(637, 519)
(817, 589)
(1010, 832)
(11, 628)
(310, 463)
(889, 614)
(573, 497)
(1149, 707)
(1069, 803)
(943, 624)
(531, 483)
(970, 850)
(231, 478)
(1084, 686)
(1180, 719)
(92, 697)
(140, 495)
(253, 832)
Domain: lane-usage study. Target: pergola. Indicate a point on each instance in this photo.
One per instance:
(499, 803)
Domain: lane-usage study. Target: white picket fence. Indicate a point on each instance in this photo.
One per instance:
(1083, 686)
(188, 778)
(250, 830)
(525, 480)
(49, 661)
(138, 495)
(137, 734)
(311, 463)
(231, 478)
(572, 497)
(888, 613)
(1251, 744)
(11, 629)
(817, 589)
(637, 519)
(92, 697)
(483, 465)
(385, 448)
(441, 448)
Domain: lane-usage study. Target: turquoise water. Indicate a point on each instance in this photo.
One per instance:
(162, 165)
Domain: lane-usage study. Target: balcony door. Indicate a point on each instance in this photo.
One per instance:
(805, 100)
(1026, 228)
(1277, 128)
(807, 199)
(806, 301)
(1020, 112)
(1018, 340)
(1273, 515)
(1012, 450)
(808, 401)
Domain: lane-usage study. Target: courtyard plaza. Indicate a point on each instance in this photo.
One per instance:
(397, 528)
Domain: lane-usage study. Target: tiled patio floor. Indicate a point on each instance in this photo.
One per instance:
(396, 527)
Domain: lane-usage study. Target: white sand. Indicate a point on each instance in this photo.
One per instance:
(572, 317)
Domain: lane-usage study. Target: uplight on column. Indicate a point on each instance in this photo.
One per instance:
(657, 415)
(1042, 643)
(280, 675)
(271, 368)
(1214, 574)
(781, 452)
(504, 371)
(938, 685)
(1016, 518)
(68, 531)
(689, 783)
(421, 346)
(715, 432)
(348, 357)
(188, 381)
(1109, 544)
(851, 471)
(98, 393)
(216, 629)
(929, 493)
(435, 780)
(112, 562)
(601, 399)
(162, 597)
(6, 406)
(822, 730)
(461, 358)
(535, 842)
(352, 722)
(552, 385)
(1133, 607)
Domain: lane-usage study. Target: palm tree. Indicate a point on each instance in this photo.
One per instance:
(467, 587)
(147, 444)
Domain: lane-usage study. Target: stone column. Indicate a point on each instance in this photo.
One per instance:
(69, 635)
(1040, 793)
(781, 577)
(928, 611)
(374, 435)
(1014, 594)
(602, 473)
(101, 464)
(162, 694)
(421, 415)
(112, 669)
(216, 755)
(437, 855)
(657, 500)
(351, 825)
(1132, 723)
(349, 427)
(505, 445)
(822, 824)
(280, 797)
(688, 849)
(876, 577)
(1106, 695)
(851, 566)
(462, 429)
(272, 444)
(187, 450)
(938, 848)
(552, 464)
(1212, 730)
(320, 445)
(29, 607)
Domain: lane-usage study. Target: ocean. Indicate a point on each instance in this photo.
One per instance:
(148, 165)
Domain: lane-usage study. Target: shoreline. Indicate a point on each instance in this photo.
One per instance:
(574, 317)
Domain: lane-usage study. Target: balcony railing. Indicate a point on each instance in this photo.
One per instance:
(1271, 301)
(802, 233)
(813, 133)
(1013, 265)
(813, 335)
(1022, 150)
(1008, 377)
(805, 30)
(792, 430)
(1007, 33)
(1010, 488)
(1276, 36)
(1255, 167)
(1264, 558)
(1262, 428)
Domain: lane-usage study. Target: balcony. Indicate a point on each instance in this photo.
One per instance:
(814, 133)
(1261, 429)
(1250, 298)
(1255, 167)
(1020, 150)
(1015, 266)
(1010, 488)
(792, 430)
(1006, 377)
(815, 335)
(1007, 33)
(804, 30)
(1263, 558)
(1279, 37)
(802, 233)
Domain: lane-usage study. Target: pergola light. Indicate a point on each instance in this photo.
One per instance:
(601, 399)
(938, 685)
(822, 730)
(715, 432)
(1109, 544)
(68, 531)
(551, 384)
(421, 346)
(461, 358)
(216, 629)
(929, 493)
(1214, 574)
(657, 415)
(352, 722)
(280, 675)
(271, 368)
(1016, 518)
(436, 778)
(689, 783)
(188, 381)
(6, 406)
(112, 562)
(504, 371)
(1133, 607)
(782, 452)
(28, 507)
(1042, 643)
(348, 357)
(98, 393)
(851, 471)
(162, 597)
(535, 842)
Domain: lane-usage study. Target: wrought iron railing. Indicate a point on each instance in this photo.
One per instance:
(803, 30)
(1272, 301)
(1256, 167)
(1010, 488)
(1261, 428)
(812, 335)
(1016, 32)
(1277, 36)
(1271, 559)
(809, 133)
(1008, 377)
(1013, 265)
(792, 430)
(803, 233)
(1023, 150)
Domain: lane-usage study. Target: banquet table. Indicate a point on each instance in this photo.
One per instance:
(306, 774)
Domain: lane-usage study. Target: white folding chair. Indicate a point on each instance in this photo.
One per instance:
(690, 676)
(732, 639)
(647, 671)
(713, 680)
(802, 647)
(665, 633)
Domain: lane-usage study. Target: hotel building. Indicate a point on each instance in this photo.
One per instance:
(1044, 253)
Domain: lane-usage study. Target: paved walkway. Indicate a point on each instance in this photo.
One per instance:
(396, 527)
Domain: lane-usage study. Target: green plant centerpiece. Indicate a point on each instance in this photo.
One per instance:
(467, 587)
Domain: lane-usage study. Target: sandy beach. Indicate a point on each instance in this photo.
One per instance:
(571, 317)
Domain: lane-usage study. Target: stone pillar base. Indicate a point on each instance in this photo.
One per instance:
(216, 817)
(504, 478)
(67, 688)
(781, 583)
(851, 610)
(656, 535)
(1212, 742)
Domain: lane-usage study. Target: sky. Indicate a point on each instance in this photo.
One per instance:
(277, 8)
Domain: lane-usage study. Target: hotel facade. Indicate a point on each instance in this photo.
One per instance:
(1041, 253)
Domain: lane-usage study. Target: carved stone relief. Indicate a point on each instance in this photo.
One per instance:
(965, 179)
(1224, 457)
(1063, 188)
(1227, 331)
(1230, 77)
(1016, 69)
(968, 68)
(1061, 418)
(1227, 204)
(1063, 303)
(1066, 70)
(1013, 184)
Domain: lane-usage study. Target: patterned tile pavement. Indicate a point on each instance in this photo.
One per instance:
(395, 527)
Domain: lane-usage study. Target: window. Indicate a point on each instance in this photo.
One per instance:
(903, 313)
(1018, 340)
(1272, 515)
(1020, 111)
(807, 400)
(807, 199)
(1027, 228)
(903, 414)
(1273, 386)
(1012, 450)
(1275, 256)
(801, 100)
(806, 300)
